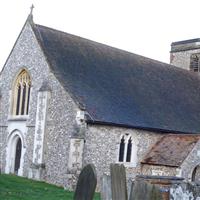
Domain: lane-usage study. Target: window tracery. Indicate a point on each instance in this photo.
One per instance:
(21, 94)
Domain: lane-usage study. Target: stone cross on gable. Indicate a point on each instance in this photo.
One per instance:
(32, 6)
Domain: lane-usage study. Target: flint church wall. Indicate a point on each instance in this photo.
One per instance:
(61, 110)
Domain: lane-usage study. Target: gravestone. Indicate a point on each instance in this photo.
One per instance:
(86, 185)
(185, 191)
(142, 190)
(118, 182)
(129, 186)
(106, 193)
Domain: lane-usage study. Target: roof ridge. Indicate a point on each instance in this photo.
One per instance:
(173, 67)
(90, 40)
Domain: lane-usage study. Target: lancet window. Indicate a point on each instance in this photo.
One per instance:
(21, 94)
(125, 149)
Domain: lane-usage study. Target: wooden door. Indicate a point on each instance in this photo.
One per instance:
(18, 155)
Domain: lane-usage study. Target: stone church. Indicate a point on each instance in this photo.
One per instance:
(66, 101)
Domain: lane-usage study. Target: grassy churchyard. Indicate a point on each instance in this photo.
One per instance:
(18, 188)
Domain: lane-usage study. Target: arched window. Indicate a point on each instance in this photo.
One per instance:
(196, 174)
(121, 150)
(125, 149)
(129, 149)
(21, 94)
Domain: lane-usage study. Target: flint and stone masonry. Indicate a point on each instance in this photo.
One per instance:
(56, 138)
(60, 116)
(181, 52)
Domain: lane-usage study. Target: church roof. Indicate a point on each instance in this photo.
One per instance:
(121, 88)
(171, 150)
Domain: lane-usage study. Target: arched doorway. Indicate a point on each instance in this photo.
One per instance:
(15, 154)
(196, 174)
(18, 152)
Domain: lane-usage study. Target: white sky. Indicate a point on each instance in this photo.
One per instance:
(145, 27)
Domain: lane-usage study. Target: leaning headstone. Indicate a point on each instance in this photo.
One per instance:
(118, 182)
(143, 190)
(86, 185)
(106, 193)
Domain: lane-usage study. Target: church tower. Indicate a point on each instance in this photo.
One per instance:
(186, 54)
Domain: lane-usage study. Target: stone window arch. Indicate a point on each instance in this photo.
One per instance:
(121, 149)
(196, 174)
(125, 149)
(21, 94)
(129, 150)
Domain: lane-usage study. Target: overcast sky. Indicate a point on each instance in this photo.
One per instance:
(145, 27)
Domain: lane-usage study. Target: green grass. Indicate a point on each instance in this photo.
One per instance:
(18, 188)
